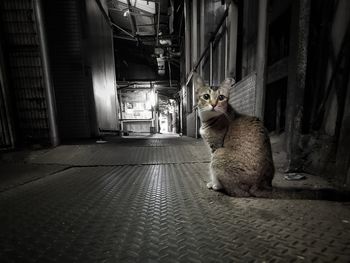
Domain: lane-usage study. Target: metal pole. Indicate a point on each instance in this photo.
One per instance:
(197, 124)
(194, 31)
(123, 30)
(226, 46)
(232, 49)
(194, 45)
(169, 67)
(187, 38)
(50, 94)
(158, 21)
(202, 34)
(261, 60)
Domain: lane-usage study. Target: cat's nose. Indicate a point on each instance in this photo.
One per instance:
(213, 103)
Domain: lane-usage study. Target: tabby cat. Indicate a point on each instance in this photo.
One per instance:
(241, 158)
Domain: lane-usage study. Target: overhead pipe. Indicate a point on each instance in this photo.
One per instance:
(49, 91)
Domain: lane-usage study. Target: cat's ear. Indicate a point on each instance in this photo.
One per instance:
(197, 80)
(228, 83)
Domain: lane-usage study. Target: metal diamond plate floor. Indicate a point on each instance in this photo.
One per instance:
(134, 207)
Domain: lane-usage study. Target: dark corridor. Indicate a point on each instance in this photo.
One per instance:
(101, 155)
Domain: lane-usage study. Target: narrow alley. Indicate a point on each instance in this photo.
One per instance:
(174, 131)
(145, 200)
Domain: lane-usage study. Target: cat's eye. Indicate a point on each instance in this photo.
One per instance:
(206, 96)
(221, 97)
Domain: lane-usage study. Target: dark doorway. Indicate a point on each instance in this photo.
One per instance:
(275, 106)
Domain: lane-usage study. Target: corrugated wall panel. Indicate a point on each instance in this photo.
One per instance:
(6, 140)
(71, 78)
(22, 50)
(242, 95)
(102, 66)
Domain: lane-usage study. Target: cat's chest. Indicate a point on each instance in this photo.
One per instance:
(213, 138)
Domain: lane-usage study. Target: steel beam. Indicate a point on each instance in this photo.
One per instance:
(261, 60)
(50, 94)
(123, 30)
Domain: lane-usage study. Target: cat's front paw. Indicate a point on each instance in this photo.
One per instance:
(215, 186)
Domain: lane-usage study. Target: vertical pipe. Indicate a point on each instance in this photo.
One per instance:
(194, 31)
(181, 110)
(187, 38)
(202, 34)
(261, 53)
(226, 46)
(233, 31)
(194, 44)
(169, 68)
(196, 122)
(156, 112)
(211, 63)
(50, 95)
